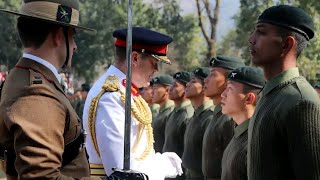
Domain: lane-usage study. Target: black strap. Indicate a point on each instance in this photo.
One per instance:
(1, 147)
(66, 36)
(73, 148)
(1, 87)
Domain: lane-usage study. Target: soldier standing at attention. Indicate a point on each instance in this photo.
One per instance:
(220, 129)
(238, 101)
(178, 119)
(39, 130)
(192, 154)
(284, 138)
(161, 88)
(146, 94)
(104, 111)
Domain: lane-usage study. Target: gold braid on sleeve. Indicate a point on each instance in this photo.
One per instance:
(139, 109)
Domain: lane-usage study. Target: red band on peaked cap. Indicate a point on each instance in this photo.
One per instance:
(156, 49)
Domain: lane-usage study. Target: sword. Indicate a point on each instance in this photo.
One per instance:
(127, 128)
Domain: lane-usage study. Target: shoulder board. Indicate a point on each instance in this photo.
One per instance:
(111, 84)
(35, 78)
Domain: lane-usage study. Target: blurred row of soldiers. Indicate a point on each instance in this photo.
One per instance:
(192, 116)
(203, 116)
(78, 98)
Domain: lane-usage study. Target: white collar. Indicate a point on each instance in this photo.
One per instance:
(114, 70)
(43, 62)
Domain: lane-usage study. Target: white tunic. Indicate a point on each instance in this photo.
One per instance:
(110, 121)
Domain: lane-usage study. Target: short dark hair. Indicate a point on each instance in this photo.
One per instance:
(301, 40)
(85, 87)
(33, 32)
(121, 54)
(247, 89)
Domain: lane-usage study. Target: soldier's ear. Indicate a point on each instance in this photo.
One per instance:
(168, 89)
(134, 57)
(289, 44)
(251, 98)
(57, 36)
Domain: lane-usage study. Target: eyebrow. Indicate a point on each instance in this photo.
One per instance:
(260, 25)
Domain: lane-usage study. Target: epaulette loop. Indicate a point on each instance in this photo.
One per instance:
(111, 84)
(35, 78)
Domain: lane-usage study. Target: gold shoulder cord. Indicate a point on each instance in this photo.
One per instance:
(140, 110)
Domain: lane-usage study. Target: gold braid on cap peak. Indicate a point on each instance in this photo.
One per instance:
(140, 111)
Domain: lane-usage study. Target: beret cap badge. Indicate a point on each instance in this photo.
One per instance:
(233, 75)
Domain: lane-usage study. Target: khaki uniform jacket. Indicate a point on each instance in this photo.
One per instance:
(36, 122)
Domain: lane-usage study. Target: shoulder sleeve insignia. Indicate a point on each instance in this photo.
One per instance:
(111, 84)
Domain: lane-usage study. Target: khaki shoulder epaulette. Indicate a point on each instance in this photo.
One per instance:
(111, 84)
(35, 78)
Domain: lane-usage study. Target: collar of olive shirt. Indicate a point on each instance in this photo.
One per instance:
(280, 78)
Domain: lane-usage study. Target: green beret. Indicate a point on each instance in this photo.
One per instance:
(152, 82)
(182, 76)
(230, 63)
(289, 17)
(201, 72)
(248, 75)
(166, 80)
(317, 86)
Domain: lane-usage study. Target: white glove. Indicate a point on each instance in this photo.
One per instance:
(175, 162)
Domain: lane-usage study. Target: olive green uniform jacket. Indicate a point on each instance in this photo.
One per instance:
(234, 159)
(192, 154)
(176, 126)
(79, 107)
(154, 110)
(36, 122)
(216, 138)
(159, 124)
(284, 131)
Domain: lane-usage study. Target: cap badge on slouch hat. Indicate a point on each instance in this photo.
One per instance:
(62, 12)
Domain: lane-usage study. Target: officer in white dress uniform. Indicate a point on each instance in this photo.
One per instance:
(104, 110)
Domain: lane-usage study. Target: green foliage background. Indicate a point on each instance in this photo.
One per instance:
(95, 51)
